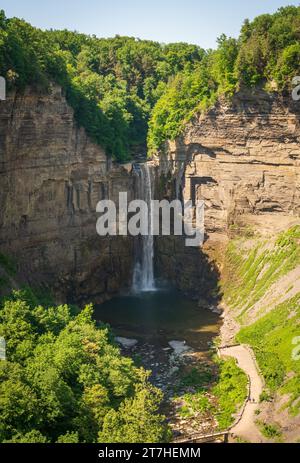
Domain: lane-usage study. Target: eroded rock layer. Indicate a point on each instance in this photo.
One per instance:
(52, 177)
(242, 158)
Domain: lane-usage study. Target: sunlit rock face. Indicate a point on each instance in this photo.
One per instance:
(243, 159)
(52, 177)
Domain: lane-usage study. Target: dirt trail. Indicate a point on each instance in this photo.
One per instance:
(246, 427)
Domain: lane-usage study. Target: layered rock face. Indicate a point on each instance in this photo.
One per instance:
(52, 177)
(243, 159)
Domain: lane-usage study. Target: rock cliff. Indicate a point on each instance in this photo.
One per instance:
(52, 177)
(242, 158)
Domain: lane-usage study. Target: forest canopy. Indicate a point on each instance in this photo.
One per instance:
(65, 381)
(125, 90)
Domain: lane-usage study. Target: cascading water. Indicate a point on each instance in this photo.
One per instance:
(143, 275)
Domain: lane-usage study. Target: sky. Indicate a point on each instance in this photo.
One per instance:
(192, 21)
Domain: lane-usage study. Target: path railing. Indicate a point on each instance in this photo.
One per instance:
(198, 438)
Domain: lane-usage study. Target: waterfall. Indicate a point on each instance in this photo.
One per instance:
(143, 275)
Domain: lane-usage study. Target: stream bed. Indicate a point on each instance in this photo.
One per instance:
(170, 335)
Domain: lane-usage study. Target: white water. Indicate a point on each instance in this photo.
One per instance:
(143, 275)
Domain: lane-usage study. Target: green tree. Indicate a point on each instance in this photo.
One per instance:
(63, 376)
(136, 420)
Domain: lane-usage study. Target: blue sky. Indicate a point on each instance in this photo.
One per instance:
(194, 21)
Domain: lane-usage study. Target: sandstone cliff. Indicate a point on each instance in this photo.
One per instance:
(243, 159)
(51, 178)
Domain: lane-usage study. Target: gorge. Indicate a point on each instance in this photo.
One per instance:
(61, 193)
(102, 329)
(248, 182)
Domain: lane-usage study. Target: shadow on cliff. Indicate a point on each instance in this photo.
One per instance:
(191, 270)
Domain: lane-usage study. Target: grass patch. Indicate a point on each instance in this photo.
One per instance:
(197, 381)
(270, 431)
(194, 404)
(265, 396)
(185, 412)
(250, 273)
(198, 402)
(230, 391)
(199, 377)
(271, 338)
(227, 392)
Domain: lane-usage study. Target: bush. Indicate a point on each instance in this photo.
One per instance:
(230, 390)
(270, 431)
(198, 377)
(265, 396)
(64, 380)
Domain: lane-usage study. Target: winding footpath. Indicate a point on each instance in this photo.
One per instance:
(245, 427)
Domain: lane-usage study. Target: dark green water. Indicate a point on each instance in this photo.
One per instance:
(159, 317)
